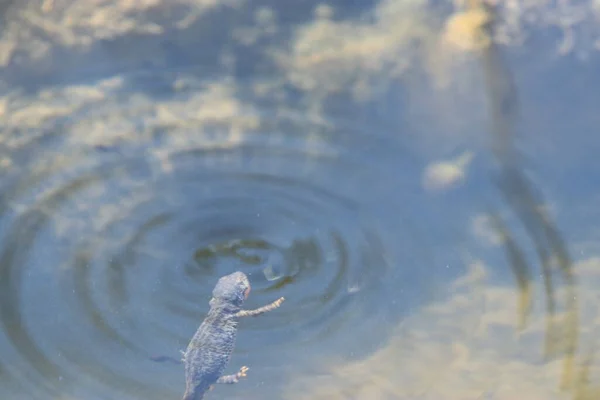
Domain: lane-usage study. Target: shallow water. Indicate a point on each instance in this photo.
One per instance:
(408, 196)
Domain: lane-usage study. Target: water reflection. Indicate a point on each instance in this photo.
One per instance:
(114, 234)
(308, 158)
(489, 365)
(524, 199)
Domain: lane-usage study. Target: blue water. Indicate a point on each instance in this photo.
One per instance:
(139, 168)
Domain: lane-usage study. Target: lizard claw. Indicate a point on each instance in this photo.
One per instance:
(242, 372)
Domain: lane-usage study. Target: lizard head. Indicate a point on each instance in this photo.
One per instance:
(233, 288)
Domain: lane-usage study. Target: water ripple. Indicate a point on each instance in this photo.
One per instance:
(109, 253)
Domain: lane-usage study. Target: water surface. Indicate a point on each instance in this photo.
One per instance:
(409, 190)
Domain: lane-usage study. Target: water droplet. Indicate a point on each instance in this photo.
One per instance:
(272, 272)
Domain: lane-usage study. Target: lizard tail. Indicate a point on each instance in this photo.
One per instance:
(166, 358)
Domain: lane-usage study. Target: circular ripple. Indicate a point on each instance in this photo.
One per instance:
(109, 253)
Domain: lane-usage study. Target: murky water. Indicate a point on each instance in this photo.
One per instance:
(379, 181)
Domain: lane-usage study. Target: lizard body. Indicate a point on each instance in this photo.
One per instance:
(209, 351)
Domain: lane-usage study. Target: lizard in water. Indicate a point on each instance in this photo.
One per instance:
(209, 350)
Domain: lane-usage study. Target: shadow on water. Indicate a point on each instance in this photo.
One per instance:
(527, 203)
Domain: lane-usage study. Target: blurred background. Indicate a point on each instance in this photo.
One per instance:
(417, 178)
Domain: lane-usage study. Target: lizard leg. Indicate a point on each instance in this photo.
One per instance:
(234, 378)
(261, 310)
